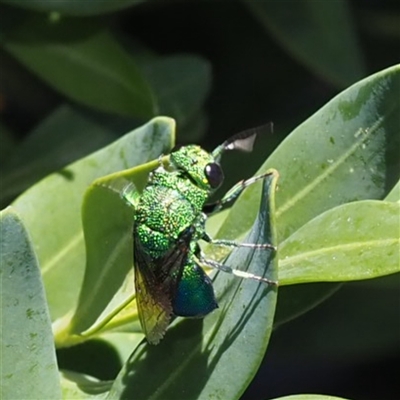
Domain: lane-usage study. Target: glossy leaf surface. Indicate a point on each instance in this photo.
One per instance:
(29, 367)
(342, 153)
(359, 240)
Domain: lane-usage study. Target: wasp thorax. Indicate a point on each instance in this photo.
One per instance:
(199, 165)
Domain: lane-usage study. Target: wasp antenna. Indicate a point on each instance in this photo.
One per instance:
(244, 140)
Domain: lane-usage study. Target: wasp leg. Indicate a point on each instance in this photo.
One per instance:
(236, 272)
(233, 193)
(231, 243)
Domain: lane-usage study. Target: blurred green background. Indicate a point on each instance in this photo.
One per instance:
(75, 76)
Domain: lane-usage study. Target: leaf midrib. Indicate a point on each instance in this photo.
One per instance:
(328, 171)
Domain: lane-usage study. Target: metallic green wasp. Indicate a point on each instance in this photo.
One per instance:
(169, 221)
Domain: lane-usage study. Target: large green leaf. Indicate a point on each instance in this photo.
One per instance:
(196, 356)
(354, 241)
(84, 63)
(340, 154)
(306, 28)
(29, 366)
(51, 209)
(73, 7)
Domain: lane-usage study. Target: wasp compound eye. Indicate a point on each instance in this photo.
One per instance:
(214, 174)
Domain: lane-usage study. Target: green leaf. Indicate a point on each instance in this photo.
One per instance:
(52, 208)
(195, 128)
(81, 387)
(335, 157)
(29, 366)
(394, 194)
(354, 241)
(340, 154)
(84, 63)
(57, 141)
(197, 355)
(181, 84)
(73, 7)
(123, 342)
(306, 28)
(309, 397)
(342, 253)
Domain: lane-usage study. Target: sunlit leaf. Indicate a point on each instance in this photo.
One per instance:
(29, 366)
(355, 241)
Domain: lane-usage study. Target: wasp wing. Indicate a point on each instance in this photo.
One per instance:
(156, 280)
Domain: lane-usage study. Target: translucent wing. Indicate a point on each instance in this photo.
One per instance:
(156, 282)
(154, 305)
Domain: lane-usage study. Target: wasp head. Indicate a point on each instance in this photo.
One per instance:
(198, 165)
